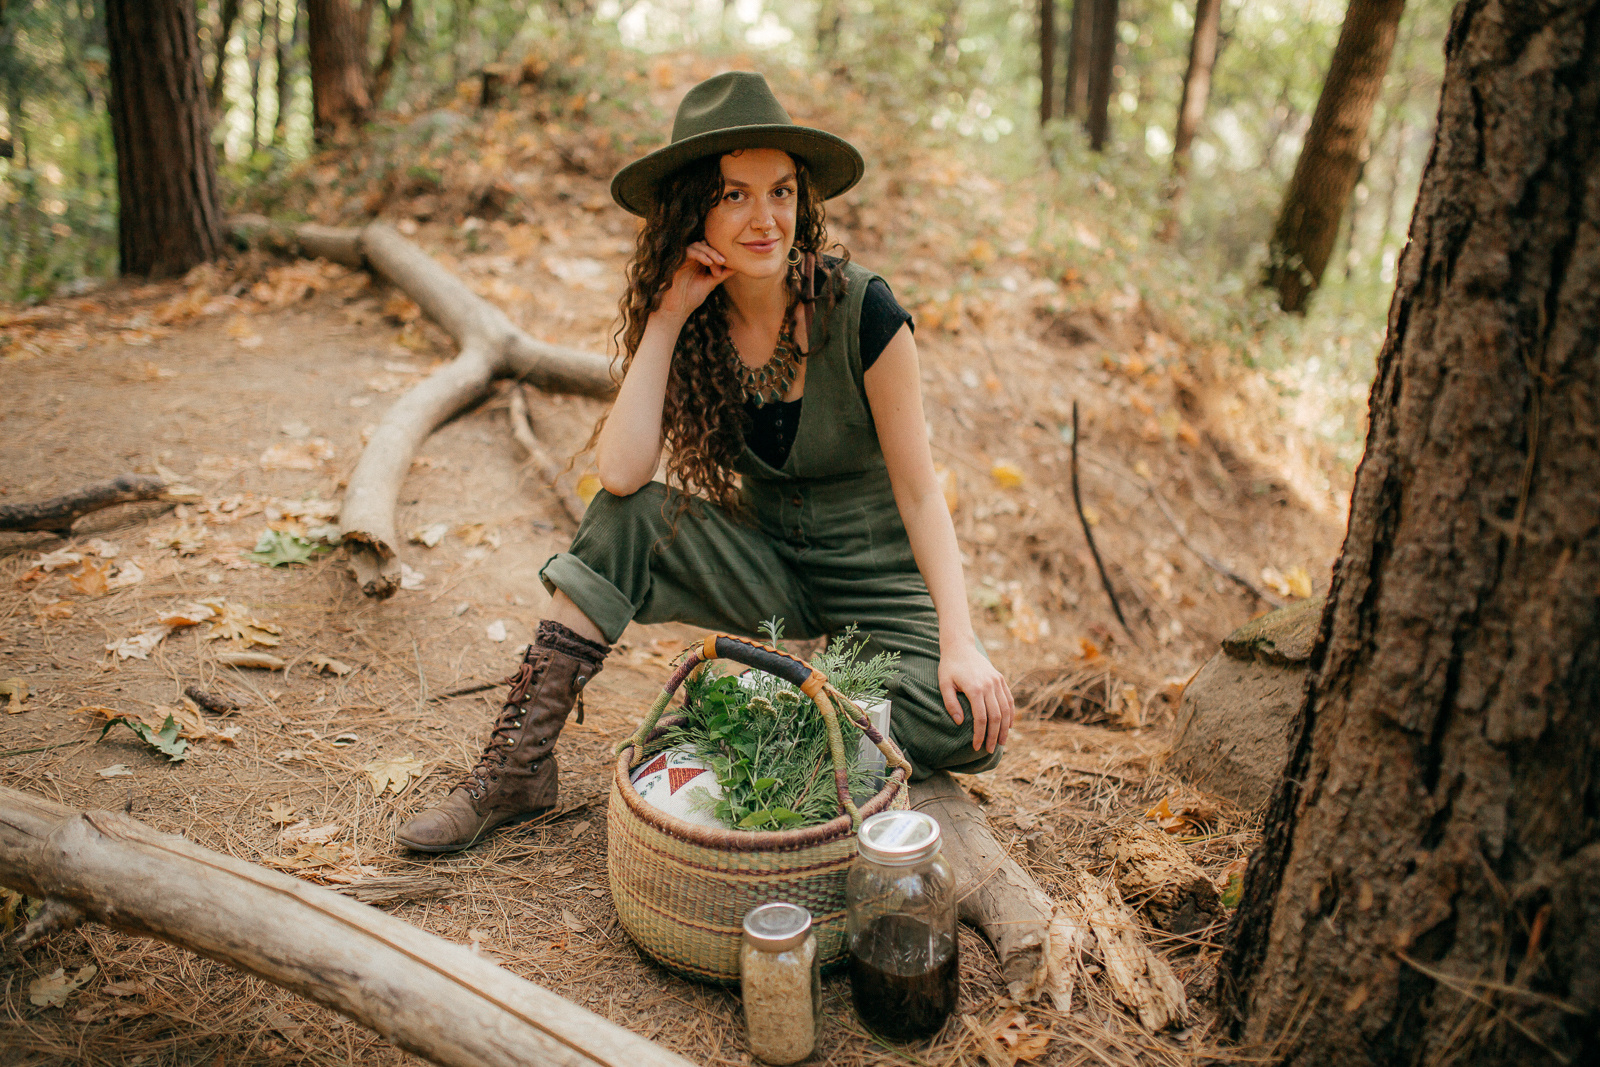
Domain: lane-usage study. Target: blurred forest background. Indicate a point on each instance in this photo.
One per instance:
(1008, 84)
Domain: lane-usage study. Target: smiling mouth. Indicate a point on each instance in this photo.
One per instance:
(761, 247)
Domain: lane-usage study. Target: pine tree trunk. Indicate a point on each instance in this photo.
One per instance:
(228, 15)
(170, 214)
(1196, 83)
(1047, 60)
(1102, 57)
(1080, 35)
(285, 63)
(1308, 222)
(340, 95)
(1428, 889)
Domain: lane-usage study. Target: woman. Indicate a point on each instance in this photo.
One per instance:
(787, 390)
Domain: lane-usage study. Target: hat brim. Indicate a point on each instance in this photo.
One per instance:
(833, 163)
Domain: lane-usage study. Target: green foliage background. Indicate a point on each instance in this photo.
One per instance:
(959, 74)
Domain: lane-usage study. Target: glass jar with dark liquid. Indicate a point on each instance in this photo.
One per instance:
(901, 912)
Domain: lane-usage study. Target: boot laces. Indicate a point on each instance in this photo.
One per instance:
(504, 735)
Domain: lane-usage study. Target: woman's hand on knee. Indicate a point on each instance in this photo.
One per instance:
(970, 673)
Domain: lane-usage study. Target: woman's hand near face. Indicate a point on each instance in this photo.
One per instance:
(968, 671)
(703, 269)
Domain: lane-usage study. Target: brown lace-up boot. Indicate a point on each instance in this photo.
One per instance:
(515, 778)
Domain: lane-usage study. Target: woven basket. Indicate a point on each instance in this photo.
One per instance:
(682, 890)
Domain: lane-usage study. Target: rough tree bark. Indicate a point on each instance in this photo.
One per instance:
(425, 994)
(1080, 42)
(341, 93)
(1428, 889)
(225, 20)
(1196, 86)
(170, 215)
(1102, 57)
(1330, 161)
(1047, 61)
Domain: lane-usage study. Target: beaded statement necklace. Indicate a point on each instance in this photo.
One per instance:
(770, 382)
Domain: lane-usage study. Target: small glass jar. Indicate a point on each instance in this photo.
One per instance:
(905, 967)
(781, 983)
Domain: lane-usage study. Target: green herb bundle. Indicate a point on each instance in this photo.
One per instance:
(766, 742)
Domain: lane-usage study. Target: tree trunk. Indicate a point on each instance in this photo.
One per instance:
(340, 95)
(1428, 889)
(399, 26)
(1079, 46)
(229, 13)
(257, 55)
(170, 216)
(1102, 57)
(1196, 85)
(1308, 222)
(285, 63)
(1047, 60)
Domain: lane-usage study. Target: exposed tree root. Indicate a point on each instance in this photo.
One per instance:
(491, 347)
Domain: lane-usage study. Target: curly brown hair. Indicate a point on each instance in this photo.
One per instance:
(703, 417)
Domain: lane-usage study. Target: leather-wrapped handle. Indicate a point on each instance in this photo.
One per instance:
(780, 664)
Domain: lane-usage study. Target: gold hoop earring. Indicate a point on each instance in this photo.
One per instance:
(794, 256)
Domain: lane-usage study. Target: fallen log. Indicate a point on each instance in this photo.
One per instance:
(423, 993)
(491, 347)
(993, 893)
(57, 514)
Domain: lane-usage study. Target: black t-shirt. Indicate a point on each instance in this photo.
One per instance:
(773, 426)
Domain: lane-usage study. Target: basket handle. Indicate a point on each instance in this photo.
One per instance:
(810, 681)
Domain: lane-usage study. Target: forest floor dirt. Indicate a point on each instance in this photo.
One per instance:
(252, 382)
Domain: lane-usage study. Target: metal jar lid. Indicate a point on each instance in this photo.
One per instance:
(777, 926)
(899, 838)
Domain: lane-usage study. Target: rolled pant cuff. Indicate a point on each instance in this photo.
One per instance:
(596, 597)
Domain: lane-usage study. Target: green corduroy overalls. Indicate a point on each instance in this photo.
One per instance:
(827, 549)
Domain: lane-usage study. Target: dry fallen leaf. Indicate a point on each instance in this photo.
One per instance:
(102, 548)
(234, 623)
(429, 535)
(1298, 581)
(411, 579)
(53, 989)
(189, 615)
(1021, 1039)
(116, 770)
(56, 609)
(128, 573)
(303, 833)
(496, 631)
(139, 645)
(587, 487)
(1007, 475)
(124, 989)
(15, 690)
(573, 923)
(279, 813)
(392, 775)
(1182, 813)
(57, 560)
(329, 665)
(91, 578)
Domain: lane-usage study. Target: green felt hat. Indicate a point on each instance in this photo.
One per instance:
(726, 113)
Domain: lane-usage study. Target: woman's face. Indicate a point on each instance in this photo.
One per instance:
(753, 224)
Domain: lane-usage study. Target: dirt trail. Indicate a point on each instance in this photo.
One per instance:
(205, 381)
